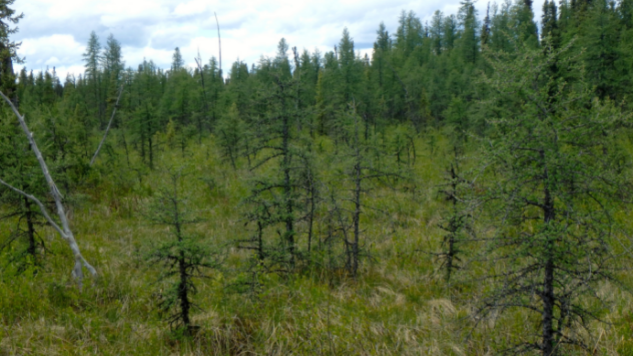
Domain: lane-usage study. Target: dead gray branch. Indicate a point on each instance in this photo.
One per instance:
(64, 230)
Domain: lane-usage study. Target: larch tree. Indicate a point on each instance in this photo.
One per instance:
(22, 244)
(7, 77)
(8, 48)
(113, 65)
(63, 227)
(93, 78)
(558, 177)
(284, 177)
(182, 256)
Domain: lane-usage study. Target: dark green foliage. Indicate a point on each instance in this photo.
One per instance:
(558, 182)
(549, 23)
(469, 41)
(275, 196)
(177, 62)
(144, 102)
(525, 27)
(8, 48)
(361, 167)
(94, 78)
(23, 246)
(232, 134)
(113, 65)
(485, 29)
(600, 38)
(457, 220)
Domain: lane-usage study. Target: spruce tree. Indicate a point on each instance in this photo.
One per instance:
(93, 78)
(485, 28)
(231, 134)
(275, 141)
(8, 48)
(22, 245)
(524, 26)
(468, 37)
(113, 65)
(177, 62)
(145, 94)
(600, 36)
(557, 178)
(436, 32)
(361, 167)
(456, 219)
(182, 255)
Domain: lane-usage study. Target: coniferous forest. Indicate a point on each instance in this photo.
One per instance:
(464, 190)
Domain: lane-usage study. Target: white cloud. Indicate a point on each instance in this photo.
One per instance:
(60, 51)
(55, 32)
(191, 8)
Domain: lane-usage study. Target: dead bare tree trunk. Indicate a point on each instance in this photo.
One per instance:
(219, 42)
(92, 161)
(64, 230)
(204, 97)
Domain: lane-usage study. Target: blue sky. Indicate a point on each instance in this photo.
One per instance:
(54, 33)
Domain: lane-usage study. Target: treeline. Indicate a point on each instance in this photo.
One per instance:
(544, 111)
(425, 74)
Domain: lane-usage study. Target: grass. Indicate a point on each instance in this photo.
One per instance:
(399, 304)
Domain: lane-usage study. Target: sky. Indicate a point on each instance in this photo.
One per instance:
(54, 33)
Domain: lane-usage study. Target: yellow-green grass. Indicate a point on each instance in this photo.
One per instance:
(398, 305)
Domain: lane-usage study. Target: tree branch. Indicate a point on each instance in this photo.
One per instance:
(64, 231)
(219, 43)
(92, 161)
(38, 202)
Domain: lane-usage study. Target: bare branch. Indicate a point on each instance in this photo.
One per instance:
(92, 161)
(219, 42)
(64, 231)
(38, 202)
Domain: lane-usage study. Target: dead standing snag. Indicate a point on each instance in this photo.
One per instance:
(64, 229)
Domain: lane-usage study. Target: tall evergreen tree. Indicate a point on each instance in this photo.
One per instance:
(92, 58)
(485, 28)
(468, 38)
(558, 185)
(112, 59)
(525, 27)
(549, 23)
(8, 48)
(177, 62)
(350, 68)
(113, 65)
(436, 32)
(600, 35)
(22, 247)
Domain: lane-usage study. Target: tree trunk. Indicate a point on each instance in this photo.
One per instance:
(357, 203)
(453, 226)
(151, 152)
(356, 219)
(183, 292)
(32, 249)
(312, 192)
(289, 219)
(548, 309)
(105, 135)
(548, 296)
(64, 230)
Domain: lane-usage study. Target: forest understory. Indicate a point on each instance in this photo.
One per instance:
(398, 304)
